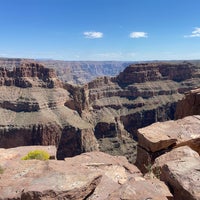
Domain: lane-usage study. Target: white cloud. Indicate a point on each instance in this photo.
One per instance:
(195, 33)
(93, 34)
(138, 35)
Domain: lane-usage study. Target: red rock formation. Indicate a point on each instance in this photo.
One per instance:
(34, 111)
(139, 73)
(141, 95)
(24, 75)
(161, 137)
(171, 151)
(190, 105)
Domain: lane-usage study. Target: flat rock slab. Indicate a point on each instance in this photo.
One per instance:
(18, 152)
(142, 190)
(180, 169)
(162, 135)
(92, 176)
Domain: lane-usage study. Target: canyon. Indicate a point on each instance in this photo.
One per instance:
(94, 130)
(173, 174)
(73, 72)
(104, 114)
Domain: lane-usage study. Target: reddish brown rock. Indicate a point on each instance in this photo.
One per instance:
(142, 189)
(190, 105)
(143, 72)
(180, 170)
(175, 155)
(25, 75)
(93, 176)
(37, 115)
(158, 138)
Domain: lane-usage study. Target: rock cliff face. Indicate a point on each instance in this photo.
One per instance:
(139, 96)
(27, 74)
(73, 72)
(190, 105)
(101, 115)
(32, 106)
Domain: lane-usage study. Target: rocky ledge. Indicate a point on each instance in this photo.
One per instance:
(89, 176)
(171, 150)
(161, 137)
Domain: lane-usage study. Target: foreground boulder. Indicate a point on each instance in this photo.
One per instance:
(161, 137)
(180, 170)
(92, 176)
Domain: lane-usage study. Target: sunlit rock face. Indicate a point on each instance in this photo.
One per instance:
(104, 114)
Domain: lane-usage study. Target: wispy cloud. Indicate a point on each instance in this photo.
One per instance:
(195, 33)
(93, 34)
(138, 35)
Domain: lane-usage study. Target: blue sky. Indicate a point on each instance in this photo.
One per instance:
(127, 30)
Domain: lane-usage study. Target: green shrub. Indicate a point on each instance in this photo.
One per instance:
(1, 170)
(37, 154)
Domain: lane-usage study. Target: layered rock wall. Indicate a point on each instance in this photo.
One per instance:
(190, 105)
(34, 112)
(19, 76)
(107, 110)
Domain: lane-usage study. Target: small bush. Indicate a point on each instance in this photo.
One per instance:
(1, 170)
(37, 154)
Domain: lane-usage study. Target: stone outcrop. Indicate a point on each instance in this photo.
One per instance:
(24, 76)
(180, 170)
(161, 137)
(93, 176)
(170, 151)
(190, 105)
(154, 72)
